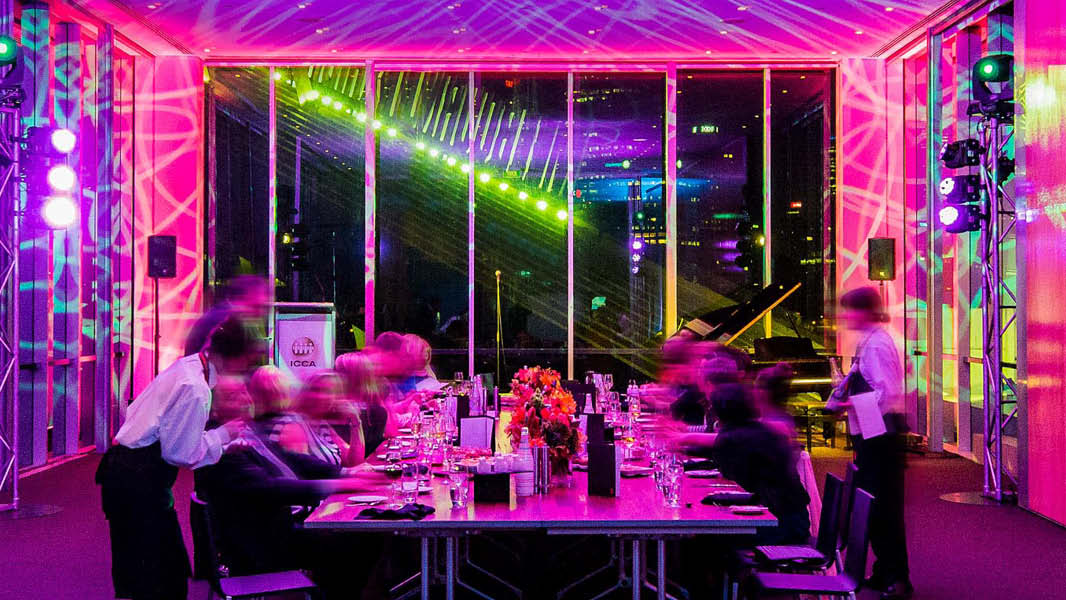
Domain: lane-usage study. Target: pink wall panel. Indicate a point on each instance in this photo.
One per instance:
(168, 200)
(871, 204)
(1043, 133)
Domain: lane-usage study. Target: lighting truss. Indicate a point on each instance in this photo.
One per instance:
(999, 308)
(9, 240)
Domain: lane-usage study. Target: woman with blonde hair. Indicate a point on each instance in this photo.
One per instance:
(310, 428)
(368, 393)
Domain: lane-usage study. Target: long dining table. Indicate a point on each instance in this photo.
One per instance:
(636, 516)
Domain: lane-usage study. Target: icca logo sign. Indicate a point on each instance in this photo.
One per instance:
(303, 352)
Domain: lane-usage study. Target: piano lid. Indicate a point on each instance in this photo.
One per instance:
(724, 325)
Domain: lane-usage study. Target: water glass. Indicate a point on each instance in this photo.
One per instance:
(672, 478)
(458, 488)
(409, 483)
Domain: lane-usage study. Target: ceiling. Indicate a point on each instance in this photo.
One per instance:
(514, 29)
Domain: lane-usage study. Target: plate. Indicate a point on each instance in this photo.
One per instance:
(404, 430)
(751, 509)
(424, 489)
(704, 473)
(367, 499)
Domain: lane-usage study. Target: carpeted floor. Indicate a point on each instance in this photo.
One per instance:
(957, 551)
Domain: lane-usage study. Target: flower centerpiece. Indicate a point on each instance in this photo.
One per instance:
(547, 410)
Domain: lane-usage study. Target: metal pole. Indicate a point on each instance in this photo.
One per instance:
(670, 177)
(570, 225)
(272, 205)
(369, 205)
(296, 207)
(425, 552)
(470, 227)
(767, 210)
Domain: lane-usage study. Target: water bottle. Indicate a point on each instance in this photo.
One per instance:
(522, 465)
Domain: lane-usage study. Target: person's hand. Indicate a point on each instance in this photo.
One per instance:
(233, 428)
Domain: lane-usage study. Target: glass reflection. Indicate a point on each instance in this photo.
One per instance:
(719, 189)
(520, 143)
(619, 226)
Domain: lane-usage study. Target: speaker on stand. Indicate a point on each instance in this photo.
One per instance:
(162, 264)
(881, 262)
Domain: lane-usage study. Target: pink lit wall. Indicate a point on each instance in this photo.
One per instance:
(168, 200)
(1043, 187)
(870, 202)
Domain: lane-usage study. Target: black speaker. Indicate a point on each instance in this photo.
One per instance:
(162, 256)
(881, 259)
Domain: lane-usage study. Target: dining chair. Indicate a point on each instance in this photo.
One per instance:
(824, 551)
(851, 473)
(245, 586)
(844, 584)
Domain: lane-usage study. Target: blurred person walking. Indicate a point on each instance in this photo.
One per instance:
(164, 430)
(877, 368)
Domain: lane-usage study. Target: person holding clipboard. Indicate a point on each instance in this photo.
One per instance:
(872, 394)
(164, 430)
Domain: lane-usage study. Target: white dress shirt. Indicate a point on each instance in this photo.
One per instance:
(878, 360)
(173, 410)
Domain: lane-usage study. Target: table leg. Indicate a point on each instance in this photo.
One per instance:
(426, 575)
(449, 568)
(637, 580)
(660, 570)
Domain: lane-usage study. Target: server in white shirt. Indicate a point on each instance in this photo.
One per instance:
(164, 430)
(879, 455)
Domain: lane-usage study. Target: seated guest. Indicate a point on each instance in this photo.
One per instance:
(365, 390)
(310, 429)
(772, 389)
(251, 493)
(419, 354)
(760, 460)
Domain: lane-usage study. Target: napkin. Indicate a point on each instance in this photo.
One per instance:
(699, 464)
(414, 512)
(728, 498)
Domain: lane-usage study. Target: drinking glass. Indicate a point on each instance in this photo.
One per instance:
(675, 473)
(459, 376)
(394, 472)
(608, 381)
(458, 488)
(409, 483)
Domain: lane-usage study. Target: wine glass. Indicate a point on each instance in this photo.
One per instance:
(608, 381)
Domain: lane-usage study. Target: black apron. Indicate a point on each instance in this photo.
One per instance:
(148, 556)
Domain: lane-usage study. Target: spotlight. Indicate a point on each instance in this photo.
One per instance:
(361, 117)
(522, 195)
(434, 152)
(636, 257)
(484, 177)
(376, 124)
(337, 104)
(635, 270)
(637, 244)
(59, 212)
(503, 186)
(465, 168)
(960, 219)
(312, 95)
(327, 100)
(391, 131)
(286, 238)
(451, 161)
(9, 50)
(963, 153)
(420, 145)
(61, 178)
(961, 189)
(996, 69)
(63, 140)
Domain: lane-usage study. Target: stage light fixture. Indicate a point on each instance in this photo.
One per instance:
(451, 161)
(963, 153)
(960, 219)
(391, 132)
(59, 212)
(9, 50)
(522, 195)
(327, 100)
(420, 145)
(961, 189)
(61, 178)
(561, 215)
(312, 95)
(465, 168)
(63, 140)
(635, 270)
(542, 205)
(504, 186)
(484, 177)
(995, 69)
(637, 244)
(636, 257)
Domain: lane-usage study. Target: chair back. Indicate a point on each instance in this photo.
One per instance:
(850, 473)
(858, 535)
(829, 520)
(211, 558)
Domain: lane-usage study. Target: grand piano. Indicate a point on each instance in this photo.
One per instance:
(727, 325)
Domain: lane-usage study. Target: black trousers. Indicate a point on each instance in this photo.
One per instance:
(881, 461)
(148, 557)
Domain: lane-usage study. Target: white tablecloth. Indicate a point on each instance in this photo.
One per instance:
(806, 475)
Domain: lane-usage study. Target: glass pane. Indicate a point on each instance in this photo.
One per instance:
(422, 200)
(520, 149)
(802, 223)
(619, 228)
(321, 176)
(240, 99)
(719, 189)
